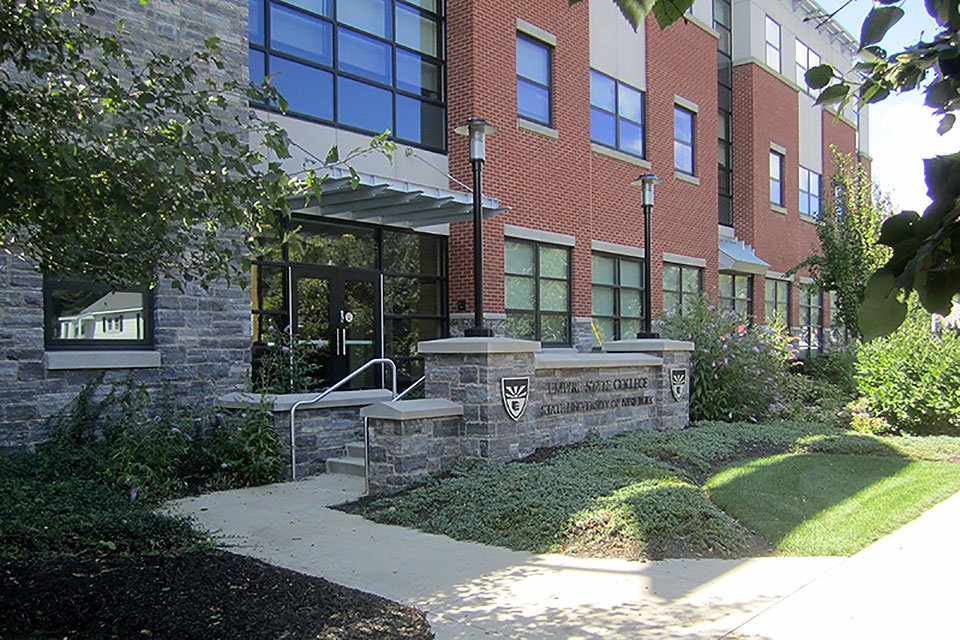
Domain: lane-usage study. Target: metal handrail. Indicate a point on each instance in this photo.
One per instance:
(325, 393)
(410, 388)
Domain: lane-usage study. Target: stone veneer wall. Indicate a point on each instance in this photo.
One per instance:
(202, 337)
(570, 395)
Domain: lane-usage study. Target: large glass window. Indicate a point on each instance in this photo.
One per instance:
(681, 287)
(534, 80)
(776, 178)
(616, 114)
(617, 297)
(683, 131)
(368, 65)
(85, 314)
(537, 291)
(811, 321)
(809, 192)
(806, 60)
(736, 293)
(777, 301)
(772, 33)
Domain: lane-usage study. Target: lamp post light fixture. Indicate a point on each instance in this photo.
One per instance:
(647, 181)
(478, 130)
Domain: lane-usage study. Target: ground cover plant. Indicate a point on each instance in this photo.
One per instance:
(651, 494)
(84, 554)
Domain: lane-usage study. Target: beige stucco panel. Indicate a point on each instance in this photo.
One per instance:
(615, 48)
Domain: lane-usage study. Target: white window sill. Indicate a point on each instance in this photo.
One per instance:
(778, 209)
(619, 155)
(808, 219)
(543, 130)
(686, 177)
(65, 360)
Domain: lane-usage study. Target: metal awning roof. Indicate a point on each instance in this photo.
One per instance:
(386, 201)
(736, 255)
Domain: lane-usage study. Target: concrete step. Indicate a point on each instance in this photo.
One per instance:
(355, 450)
(347, 466)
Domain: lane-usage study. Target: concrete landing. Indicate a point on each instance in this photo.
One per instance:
(471, 590)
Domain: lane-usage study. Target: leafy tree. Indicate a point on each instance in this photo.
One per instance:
(848, 230)
(131, 169)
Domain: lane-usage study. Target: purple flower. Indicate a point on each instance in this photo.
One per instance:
(224, 465)
(133, 494)
(285, 349)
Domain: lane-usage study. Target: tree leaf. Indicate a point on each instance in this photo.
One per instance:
(877, 23)
(881, 312)
(942, 175)
(945, 12)
(936, 290)
(898, 228)
(946, 123)
(818, 77)
(939, 94)
(665, 11)
(333, 155)
(834, 93)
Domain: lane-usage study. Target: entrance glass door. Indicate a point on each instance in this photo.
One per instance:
(337, 315)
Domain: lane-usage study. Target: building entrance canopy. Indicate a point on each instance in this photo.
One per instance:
(385, 201)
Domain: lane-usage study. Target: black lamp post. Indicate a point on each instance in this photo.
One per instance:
(477, 129)
(647, 182)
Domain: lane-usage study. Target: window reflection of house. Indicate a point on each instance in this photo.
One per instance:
(114, 316)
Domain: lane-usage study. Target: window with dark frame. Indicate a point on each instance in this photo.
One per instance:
(82, 314)
(617, 115)
(811, 321)
(682, 285)
(809, 192)
(776, 178)
(736, 293)
(414, 283)
(537, 291)
(534, 80)
(683, 138)
(772, 36)
(777, 301)
(807, 59)
(367, 65)
(617, 286)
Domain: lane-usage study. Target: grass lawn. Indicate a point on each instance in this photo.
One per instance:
(651, 495)
(820, 504)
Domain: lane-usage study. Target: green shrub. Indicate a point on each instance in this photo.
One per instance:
(152, 446)
(287, 365)
(813, 400)
(911, 378)
(737, 370)
(838, 366)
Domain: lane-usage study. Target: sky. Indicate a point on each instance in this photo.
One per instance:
(902, 130)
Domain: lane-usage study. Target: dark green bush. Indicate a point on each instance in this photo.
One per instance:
(911, 378)
(737, 370)
(813, 400)
(838, 366)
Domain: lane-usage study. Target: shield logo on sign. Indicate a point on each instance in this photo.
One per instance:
(514, 392)
(678, 383)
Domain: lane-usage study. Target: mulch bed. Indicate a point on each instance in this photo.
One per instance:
(194, 595)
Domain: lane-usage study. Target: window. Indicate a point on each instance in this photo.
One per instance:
(681, 286)
(772, 32)
(806, 59)
(736, 293)
(537, 291)
(616, 114)
(84, 314)
(683, 122)
(777, 301)
(809, 192)
(776, 178)
(534, 82)
(811, 321)
(366, 65)
(617, 297)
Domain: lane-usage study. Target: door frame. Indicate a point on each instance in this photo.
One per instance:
(337, 276)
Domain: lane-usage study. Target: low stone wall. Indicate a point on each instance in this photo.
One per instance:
(322, 429)
(554, 398)
(410, 439)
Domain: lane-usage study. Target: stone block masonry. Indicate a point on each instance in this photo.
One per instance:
(554, 398)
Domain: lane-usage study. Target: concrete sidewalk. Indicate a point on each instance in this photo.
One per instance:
(476, 591)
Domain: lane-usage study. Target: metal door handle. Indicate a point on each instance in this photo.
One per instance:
(342, 338)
